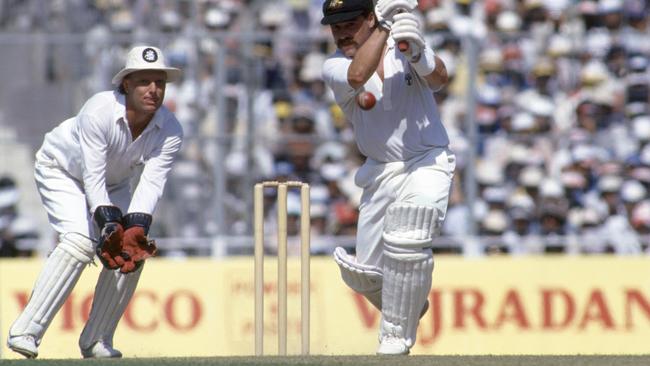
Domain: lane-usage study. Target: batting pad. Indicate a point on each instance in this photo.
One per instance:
(58, 277)
(112, 294)
(410, 225)
(362, 278)
(407, 282)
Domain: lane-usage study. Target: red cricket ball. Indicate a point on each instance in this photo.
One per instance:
(366, 100)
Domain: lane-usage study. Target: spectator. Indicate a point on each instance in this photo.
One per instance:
(14, 228)
(562, 93)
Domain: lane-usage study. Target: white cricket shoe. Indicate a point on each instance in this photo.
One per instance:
(391, 345)
(23, 344)
(101, 350)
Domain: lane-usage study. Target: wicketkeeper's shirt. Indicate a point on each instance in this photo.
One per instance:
(96, 148)
(404, 123)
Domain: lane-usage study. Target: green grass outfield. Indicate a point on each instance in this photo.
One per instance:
(356, 361)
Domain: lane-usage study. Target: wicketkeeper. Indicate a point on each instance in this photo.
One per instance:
(83, 173)
(407, 176)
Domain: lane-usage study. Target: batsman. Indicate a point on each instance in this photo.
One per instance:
(407, 176)
(84, 173)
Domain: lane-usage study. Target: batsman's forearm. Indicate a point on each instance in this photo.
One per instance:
(439, 77)
(367, 58)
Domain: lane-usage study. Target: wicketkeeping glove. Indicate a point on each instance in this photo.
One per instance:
(406, 27)
(109, 248)
(136, 247)
(385, 10)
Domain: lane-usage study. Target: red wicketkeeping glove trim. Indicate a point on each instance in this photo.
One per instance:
(136, 247)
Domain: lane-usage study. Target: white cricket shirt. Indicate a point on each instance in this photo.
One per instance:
(405, 121)
(96, 148)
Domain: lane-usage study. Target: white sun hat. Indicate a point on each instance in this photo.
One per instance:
(146, 58)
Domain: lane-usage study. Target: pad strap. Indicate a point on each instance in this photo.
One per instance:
(78, 246)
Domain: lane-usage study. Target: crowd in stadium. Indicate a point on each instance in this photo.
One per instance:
(562, 159)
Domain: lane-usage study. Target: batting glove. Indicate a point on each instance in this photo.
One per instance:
(385, 10)
(406, 27)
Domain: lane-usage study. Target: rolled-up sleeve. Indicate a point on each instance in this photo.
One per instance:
(155, 173)
(94, 148)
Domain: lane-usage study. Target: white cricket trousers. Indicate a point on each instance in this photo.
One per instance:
(423, 180)
(65, 201)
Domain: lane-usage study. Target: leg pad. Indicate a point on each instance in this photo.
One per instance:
(58, 277)
(411, 225)
(112, 294)
(364, 279)
(407, 282)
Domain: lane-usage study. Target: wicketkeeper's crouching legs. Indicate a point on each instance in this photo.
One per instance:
(407, 270)
(112, 294)
(58, 277)
(115, 288)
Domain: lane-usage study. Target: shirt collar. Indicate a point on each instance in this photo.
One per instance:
(119, 110)
(157, 119)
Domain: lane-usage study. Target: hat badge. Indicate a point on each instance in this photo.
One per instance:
(149, 55)
(335, 4)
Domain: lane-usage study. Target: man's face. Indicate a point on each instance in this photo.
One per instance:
(145, 90)
(351, 34)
